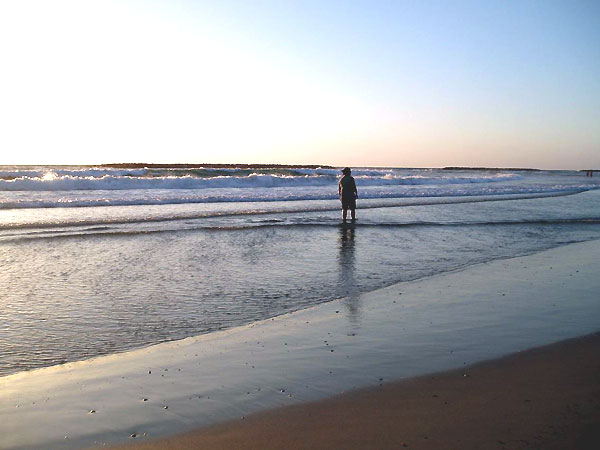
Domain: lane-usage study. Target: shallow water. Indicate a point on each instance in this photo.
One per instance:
(448, 321)
(81, 282)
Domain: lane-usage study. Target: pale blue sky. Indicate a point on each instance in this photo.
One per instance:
(401, 83)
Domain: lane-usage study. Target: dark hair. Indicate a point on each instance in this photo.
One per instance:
(346, 170)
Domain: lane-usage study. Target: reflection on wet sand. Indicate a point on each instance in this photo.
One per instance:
(347, 280)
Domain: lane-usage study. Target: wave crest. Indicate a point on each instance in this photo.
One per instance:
(99, 180)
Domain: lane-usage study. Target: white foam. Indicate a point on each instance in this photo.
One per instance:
(88, 172)
(55, 181)
(68, 187)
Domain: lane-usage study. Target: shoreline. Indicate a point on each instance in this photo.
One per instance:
(431, 325)
(547, 397)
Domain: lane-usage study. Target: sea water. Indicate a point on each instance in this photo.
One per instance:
(101, 260)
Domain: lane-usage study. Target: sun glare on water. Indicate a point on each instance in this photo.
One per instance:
(49, 176)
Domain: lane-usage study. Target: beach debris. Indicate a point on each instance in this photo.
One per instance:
(92, 411)
(149, 372)
(165, 407)
(337, 311)
(466, 375)
(133, 435)
(144, 399)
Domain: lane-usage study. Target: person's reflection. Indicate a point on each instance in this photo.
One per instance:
(347, 282)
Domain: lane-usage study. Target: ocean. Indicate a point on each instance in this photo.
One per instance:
(98, 260)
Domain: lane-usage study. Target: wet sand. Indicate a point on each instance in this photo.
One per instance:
(545, 398)
(446, 322)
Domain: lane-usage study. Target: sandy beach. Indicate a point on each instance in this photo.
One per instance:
(378, 341)
(230, 224)
(234, 224)
(546, 398)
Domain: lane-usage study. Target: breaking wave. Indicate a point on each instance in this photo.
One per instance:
(118, 179)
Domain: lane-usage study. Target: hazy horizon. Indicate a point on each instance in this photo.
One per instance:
(274, 164)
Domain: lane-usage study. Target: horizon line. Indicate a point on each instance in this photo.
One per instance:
(139, 165)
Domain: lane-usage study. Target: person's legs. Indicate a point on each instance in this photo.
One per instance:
(345, 213)
(352, 214)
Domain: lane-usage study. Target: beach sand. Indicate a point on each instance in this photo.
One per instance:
(546, 398)
(446, 322)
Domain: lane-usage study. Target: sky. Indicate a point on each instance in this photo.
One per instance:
(359, 83)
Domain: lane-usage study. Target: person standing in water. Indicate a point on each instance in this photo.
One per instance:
(348, 194)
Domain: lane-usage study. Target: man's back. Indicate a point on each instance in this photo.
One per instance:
(347, 186)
